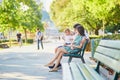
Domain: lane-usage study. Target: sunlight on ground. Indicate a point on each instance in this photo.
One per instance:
(17, 75)
(12, 65)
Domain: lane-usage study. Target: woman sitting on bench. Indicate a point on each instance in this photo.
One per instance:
(74, 47)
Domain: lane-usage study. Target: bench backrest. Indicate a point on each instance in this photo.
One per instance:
(84, 47)
(108, 52)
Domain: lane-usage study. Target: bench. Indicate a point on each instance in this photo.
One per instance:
(107, 53)
(4, 45)
(79, 54)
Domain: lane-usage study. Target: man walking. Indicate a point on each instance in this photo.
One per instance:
(19, 39)
(39, 37)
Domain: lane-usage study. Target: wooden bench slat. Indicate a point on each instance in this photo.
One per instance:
(66, 72)
(110, 43)
(94, 73)
(85, 72)
(77, 75)
(114, 53)
(107, 53)
(112, 63)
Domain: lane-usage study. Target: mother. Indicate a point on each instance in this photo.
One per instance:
(74, 47)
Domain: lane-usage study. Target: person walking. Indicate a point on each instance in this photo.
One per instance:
(19, 39)
(39, 37)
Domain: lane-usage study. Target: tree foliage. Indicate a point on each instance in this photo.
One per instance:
(23, 15)
(20, 14)
(92, 14)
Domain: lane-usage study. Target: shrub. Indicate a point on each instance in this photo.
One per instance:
(112, 37)
(2, 41)
(28, 41)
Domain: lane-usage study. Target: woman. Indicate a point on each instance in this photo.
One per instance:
(74, 47)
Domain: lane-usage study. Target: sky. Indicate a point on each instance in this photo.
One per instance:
(0, 1)
(46, 4)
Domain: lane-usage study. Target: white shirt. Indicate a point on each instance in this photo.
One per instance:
(68, 38)
(38, 35)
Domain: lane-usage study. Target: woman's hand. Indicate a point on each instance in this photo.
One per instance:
(72, 46)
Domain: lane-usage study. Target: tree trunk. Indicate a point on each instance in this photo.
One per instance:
(96, 31)
(25, 31)
(10, 44)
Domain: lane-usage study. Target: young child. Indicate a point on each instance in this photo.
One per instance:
(67, 38)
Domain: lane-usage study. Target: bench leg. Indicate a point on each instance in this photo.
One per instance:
(83, 60)
(70, 59)
(98, 66)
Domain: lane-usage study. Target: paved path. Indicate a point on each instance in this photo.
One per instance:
(27, 63)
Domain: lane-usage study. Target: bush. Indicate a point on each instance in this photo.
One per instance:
(28, 41)
(112, 37)
(2, 41)
(95, 37)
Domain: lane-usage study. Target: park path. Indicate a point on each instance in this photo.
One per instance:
(27, 63)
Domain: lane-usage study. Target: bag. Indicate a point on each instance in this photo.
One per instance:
(41, 37)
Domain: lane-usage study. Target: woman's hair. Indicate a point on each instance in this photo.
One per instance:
(80, 29)
(77, 25)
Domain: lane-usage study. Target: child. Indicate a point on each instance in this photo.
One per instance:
(67, 38)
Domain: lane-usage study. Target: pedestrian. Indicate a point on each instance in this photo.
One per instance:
(19, 39)
(39, 38)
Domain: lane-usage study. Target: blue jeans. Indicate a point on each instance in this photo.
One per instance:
(38, 44)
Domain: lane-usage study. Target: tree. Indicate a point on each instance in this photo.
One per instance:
(92, 14)
(8, 14)
(57, 8)
(12, 16)
(30, 19)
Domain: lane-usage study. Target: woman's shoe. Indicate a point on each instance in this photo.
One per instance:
(59, 65)
(54, 70)
(51, 66)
